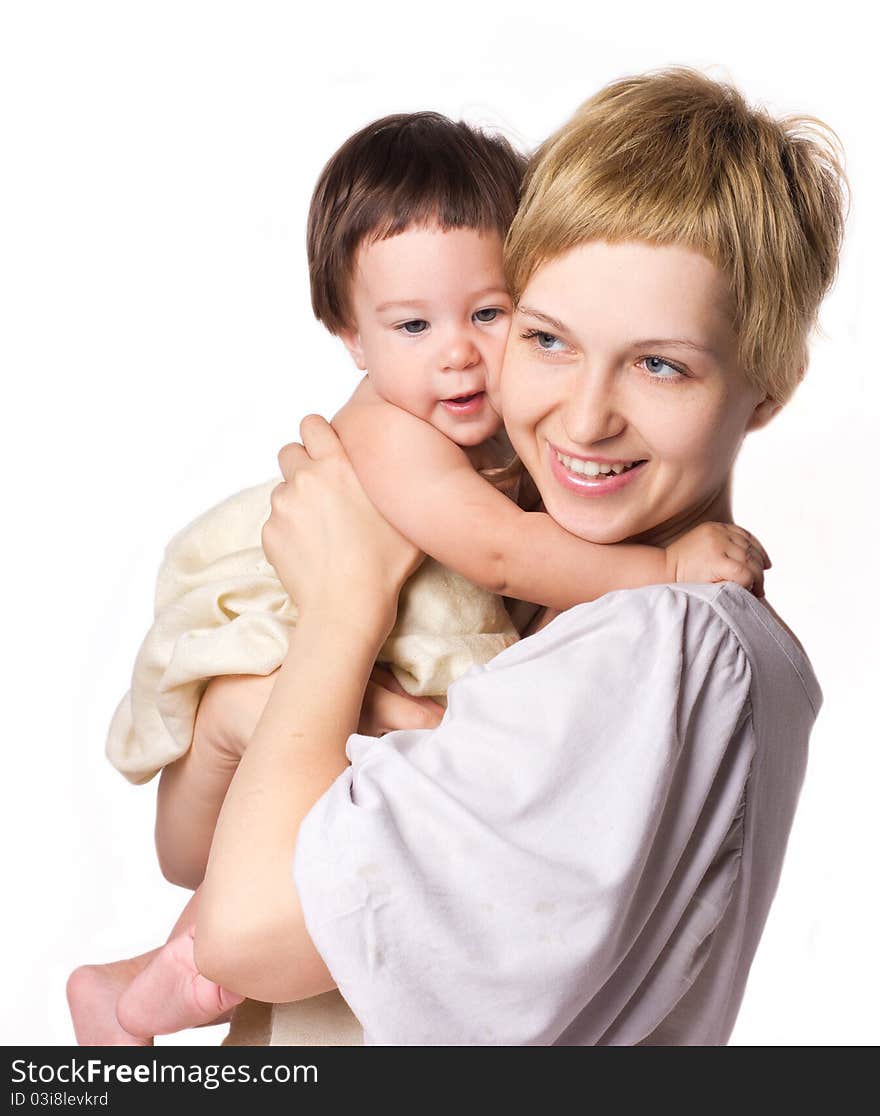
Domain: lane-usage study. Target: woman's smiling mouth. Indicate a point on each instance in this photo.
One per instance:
(593, 476)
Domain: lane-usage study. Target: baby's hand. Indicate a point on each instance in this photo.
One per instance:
(387, 706)
(718, 552)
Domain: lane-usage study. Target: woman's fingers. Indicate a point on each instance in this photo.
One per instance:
(318, 440)
(319, 437)
(291, 457)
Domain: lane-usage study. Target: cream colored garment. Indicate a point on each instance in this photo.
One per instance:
(220, 609)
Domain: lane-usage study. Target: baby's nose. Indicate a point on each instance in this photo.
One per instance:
(460, 353)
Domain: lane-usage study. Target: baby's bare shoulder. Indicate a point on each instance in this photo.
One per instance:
(373, 431)
(366, 412)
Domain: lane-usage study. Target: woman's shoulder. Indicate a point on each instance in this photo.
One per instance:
(703, 624)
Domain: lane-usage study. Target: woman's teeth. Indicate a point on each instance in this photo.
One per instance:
(593, 468)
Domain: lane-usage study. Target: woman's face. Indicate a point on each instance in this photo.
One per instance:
(622, 394)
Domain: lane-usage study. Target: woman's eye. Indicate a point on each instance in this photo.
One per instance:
(546, 342)
(417, 325)
(656, 365)
(487, 315)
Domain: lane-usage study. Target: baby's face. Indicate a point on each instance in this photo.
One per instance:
(432, 314)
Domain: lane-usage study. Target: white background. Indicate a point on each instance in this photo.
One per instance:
(158, 347)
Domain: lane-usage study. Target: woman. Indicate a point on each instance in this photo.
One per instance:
(584, 851)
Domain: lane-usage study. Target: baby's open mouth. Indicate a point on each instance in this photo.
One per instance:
(464, 404)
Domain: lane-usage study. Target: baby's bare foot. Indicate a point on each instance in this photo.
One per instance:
(92, 993)
(170, 994)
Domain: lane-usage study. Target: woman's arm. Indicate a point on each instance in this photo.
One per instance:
(424, 484)
(250, 933)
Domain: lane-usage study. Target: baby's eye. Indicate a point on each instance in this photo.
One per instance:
(489, 314)
(654, 365)
(417, 325)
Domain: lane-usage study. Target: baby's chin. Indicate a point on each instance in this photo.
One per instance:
(493, 395)
(475, 436)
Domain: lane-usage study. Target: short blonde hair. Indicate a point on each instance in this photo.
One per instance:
(674, 156)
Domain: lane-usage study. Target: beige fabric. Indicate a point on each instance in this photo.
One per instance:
(220, 609)
(324, 1020)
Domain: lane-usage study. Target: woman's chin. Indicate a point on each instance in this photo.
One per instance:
(590, 524)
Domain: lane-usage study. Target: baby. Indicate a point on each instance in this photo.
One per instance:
(405, 237)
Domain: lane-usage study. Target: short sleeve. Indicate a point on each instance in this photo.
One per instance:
(482, 882)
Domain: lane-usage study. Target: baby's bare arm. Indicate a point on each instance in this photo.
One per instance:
(425, 485)
(191, 791)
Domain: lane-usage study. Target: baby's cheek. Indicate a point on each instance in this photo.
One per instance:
(496, 356)
(493, 380)
(493, 395)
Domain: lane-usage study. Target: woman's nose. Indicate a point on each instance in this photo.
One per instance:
(591, 413)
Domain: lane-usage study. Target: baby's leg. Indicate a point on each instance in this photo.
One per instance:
(169, 993)
(192, 790)
(93, 992)
(125, 1003)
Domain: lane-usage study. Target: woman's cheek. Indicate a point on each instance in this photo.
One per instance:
(521, 416)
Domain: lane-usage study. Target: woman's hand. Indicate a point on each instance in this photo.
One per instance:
(343, 565)
(332, 550)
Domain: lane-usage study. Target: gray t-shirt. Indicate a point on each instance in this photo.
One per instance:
(585, 850)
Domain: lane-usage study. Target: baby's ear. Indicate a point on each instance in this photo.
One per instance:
(352, 341)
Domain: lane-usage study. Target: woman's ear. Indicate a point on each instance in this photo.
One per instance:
(768, 407)
(762, 414)
(352, 341)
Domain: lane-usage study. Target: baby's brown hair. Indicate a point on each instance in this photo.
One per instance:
(408, 169)
(675, 157)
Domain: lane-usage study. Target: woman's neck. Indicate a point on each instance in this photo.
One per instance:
(717, 507)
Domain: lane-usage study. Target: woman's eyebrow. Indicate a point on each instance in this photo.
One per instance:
(681, 341)
(555, 322)
(645, 343)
